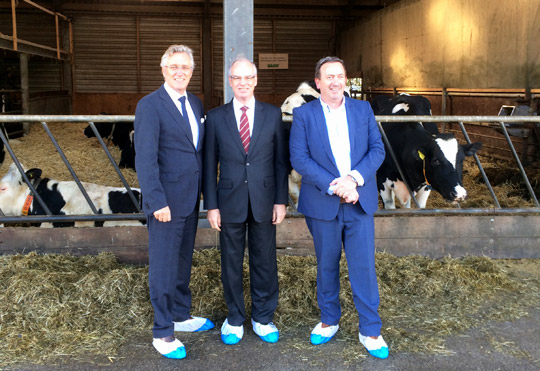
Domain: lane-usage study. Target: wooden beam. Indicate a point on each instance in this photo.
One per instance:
(14, 23)
(495, 236)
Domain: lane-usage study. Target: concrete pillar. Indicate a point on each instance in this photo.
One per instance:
(238, 37)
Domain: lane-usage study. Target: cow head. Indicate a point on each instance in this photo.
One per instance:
(306, 92)
(13, 189)
(442, 163)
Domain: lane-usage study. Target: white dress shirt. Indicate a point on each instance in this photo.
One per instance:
(338, 134)
(175, 96)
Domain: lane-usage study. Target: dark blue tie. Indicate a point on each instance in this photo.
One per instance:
(184, 110)
(186, 117)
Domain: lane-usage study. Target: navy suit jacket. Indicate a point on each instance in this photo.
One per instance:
(312, 157)
(169, 167)
(258, 178)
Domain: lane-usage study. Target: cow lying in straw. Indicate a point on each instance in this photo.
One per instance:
(63, 198)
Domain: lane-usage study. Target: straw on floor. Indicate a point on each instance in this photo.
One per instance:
(56, 307)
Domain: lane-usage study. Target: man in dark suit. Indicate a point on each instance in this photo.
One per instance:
(336, 146)
(246, 138)
(168, 142)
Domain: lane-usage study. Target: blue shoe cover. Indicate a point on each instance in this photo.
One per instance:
(230, 339)
(381, 353)
(318, 339)
(208, 325)
(272, 337)
(178, 353)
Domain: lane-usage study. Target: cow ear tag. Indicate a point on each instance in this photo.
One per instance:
(422, 157)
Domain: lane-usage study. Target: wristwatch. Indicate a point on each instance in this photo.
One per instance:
(354, 179)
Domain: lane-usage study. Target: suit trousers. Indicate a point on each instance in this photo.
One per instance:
(170, 252)
(353, 230)
(262, 269)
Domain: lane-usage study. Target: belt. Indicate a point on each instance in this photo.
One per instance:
(342, 200)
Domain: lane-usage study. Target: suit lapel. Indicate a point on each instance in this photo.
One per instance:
(350, 123)
(198, 117)
(230, 122)
(258, 124)
(169, 105)
(320, 123)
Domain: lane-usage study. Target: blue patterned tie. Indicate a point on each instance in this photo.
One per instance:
(186, 117)
(184, 110)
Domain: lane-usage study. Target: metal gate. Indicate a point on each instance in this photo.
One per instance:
(496, 232)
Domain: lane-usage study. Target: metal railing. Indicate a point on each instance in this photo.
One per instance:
(501, 121)
(91, 119)
(43, 119)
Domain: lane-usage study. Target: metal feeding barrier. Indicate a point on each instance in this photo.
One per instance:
(503, 122)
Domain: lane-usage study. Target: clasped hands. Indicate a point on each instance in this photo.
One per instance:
(345, 187)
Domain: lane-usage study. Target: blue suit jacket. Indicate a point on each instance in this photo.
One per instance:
(168, 166)
(259, 178)
(311, 157)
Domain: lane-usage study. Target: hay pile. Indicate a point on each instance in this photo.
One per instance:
(56, 306)
(85, 155)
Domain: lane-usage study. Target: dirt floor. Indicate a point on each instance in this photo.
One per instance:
(493, 346)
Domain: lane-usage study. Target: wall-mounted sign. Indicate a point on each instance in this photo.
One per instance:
(273, 61)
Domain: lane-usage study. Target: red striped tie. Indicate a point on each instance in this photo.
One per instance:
(244, 129)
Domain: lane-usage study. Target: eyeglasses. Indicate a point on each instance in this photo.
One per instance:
(175, 68)
(240, 78)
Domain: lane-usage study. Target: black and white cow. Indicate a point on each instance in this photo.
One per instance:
(306, 92)
(428, 159)
(63, 198)
(121, 135)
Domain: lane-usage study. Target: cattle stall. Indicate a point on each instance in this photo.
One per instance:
(492, 231)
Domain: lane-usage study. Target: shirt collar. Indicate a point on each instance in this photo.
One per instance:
(173, 93)
(327, 109)
(237, 105)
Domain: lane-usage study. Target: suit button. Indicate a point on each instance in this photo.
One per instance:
(247, 164)
(245, 181)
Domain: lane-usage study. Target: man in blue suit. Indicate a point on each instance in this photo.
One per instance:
(336, 146)
(168, 145)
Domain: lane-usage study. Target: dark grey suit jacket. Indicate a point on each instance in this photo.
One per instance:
(259, 178)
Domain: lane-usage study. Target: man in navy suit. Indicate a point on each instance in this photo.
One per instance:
(336, 146)
(168, 143)
(246, 138)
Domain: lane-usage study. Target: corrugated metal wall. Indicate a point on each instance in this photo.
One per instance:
(105, 54)
(106, 51)
(156, 35)
(305, 41)
(44, 75)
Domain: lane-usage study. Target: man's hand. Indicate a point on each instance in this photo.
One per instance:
(344, 185)
(214, 218)
(163, 215)
(351, 196)
(278, 214)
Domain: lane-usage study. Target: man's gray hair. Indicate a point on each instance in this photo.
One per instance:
(173, 49)
(327, 60)
(242, 59)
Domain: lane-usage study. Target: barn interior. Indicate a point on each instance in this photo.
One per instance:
(85, 57)
(92, 56)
